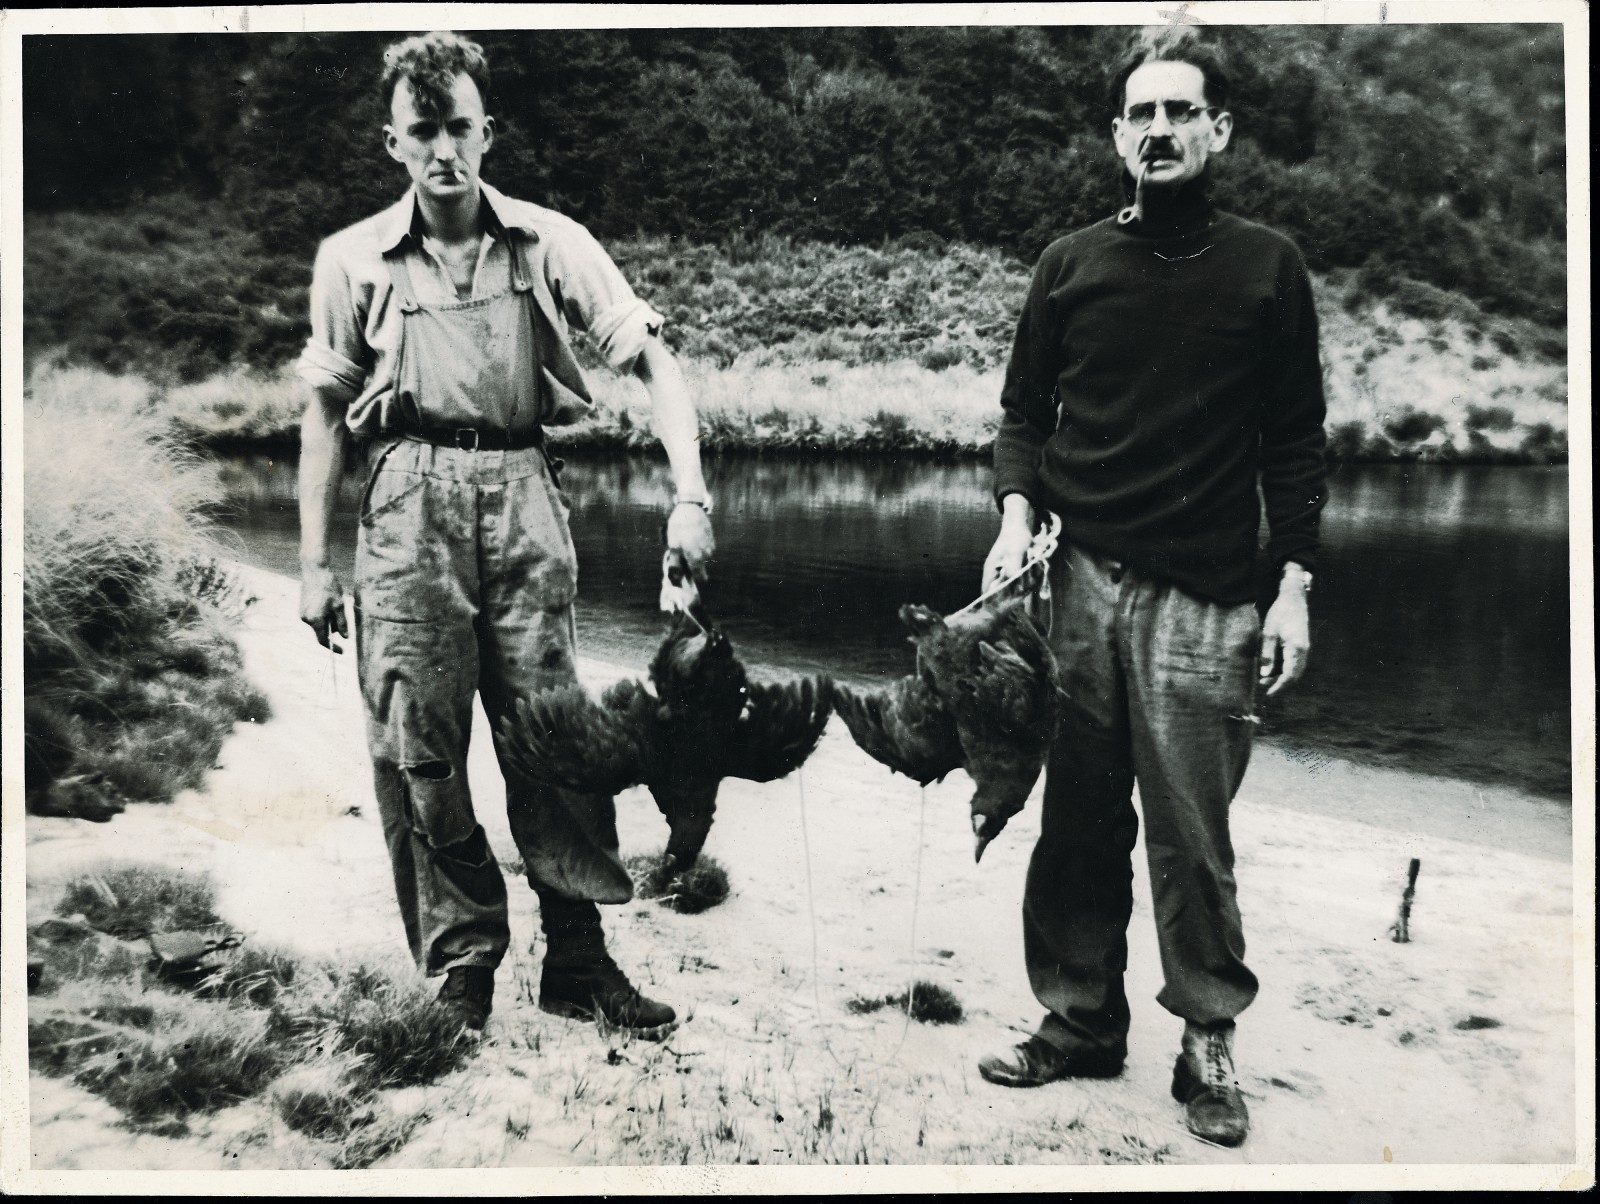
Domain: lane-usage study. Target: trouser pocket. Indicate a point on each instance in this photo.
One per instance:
(415, 550)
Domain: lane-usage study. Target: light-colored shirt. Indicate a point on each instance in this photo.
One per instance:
(355, 316)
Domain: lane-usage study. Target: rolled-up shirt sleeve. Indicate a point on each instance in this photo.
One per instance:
(597, 299)
(336, 358)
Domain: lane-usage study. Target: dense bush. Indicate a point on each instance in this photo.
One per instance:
(1435, 153)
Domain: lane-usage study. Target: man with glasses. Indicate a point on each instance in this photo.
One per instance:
(1165, 363)
(440, 335)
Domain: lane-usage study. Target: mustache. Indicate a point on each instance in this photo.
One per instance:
(1159, 148)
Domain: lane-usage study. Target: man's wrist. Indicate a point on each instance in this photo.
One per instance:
(1016, 511)
(693, 498)
(1296, 580)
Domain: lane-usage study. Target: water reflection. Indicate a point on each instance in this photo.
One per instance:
(1440, 635)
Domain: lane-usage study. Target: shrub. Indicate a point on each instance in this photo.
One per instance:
(1413, 426)
(1347, 440)
(1543, 444)
(1490, 418)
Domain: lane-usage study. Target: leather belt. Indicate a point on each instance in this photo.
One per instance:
(467, 438)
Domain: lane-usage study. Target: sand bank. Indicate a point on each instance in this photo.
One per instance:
(1457, 1047)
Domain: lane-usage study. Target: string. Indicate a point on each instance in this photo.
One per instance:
(811, 903)
(1040, 549)
(916, 900)
(811, 908)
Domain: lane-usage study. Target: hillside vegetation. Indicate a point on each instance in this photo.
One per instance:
(838, 222)
(810, 347)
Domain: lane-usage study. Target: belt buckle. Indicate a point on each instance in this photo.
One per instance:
(462, 440)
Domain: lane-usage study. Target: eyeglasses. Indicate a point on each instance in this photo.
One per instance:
(1179, 112)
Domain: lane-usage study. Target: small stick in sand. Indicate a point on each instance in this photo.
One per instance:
(1400, 930)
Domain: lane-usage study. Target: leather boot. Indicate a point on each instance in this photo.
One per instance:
(580, 979)
(1205, 1083)
(468, 995)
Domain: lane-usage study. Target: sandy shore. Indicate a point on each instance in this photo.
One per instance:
(1354, 1053)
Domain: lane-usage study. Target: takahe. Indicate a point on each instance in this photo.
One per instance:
(983, 698)
(705, 721)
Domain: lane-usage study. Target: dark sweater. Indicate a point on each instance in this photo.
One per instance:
(1158, 369)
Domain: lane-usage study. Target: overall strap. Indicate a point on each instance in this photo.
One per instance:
(521, 277)
(395, 261)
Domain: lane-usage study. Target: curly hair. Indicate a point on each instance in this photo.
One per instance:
(431, 61)
(1168, 45)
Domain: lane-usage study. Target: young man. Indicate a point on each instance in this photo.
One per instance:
(439, 334)
(1165, 362)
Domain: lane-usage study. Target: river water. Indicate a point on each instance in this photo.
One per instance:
(1440, 617)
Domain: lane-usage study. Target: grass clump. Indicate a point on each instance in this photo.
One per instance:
(131, 675)
(322, 1100)
(701, 887)
(189, 1060)
(130, 900)
(318, 1040)
(389, 1027)
(927, 1002)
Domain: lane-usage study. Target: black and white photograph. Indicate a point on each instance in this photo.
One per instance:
(675, 599)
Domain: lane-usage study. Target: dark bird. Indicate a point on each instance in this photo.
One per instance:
(704, 722)
(983, 698)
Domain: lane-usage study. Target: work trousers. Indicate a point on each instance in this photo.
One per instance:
(1160, 689)
(465, 580)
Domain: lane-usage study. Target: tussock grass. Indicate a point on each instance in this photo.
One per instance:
(823, 406)
(703, 886)
(317, 1041)
(239, 405)
(189, 1060)
(130, 900)
(928, 1003)
(387, 1024)
(112, 506)
(132, 677)
(322, 1100)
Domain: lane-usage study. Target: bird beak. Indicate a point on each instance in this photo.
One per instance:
(982, 838)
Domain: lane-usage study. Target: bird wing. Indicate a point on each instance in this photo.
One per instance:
(562, 737)
(779, 729)
(904, 726)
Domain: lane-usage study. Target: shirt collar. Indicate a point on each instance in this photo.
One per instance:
(402, 220)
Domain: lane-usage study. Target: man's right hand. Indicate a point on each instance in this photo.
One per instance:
(322, 604)
(1010, 550)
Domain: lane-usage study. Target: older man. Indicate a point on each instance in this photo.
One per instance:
(440, 335)
(1165, 363)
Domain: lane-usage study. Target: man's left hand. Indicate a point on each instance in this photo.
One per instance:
(689, 532)
(1285, 640)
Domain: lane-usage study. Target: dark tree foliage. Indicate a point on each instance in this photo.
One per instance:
(1431, 153)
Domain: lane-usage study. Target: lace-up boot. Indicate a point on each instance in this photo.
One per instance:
(468, 995)
(1205, 1083)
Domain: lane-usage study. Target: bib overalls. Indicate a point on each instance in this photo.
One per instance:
(464, 583)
